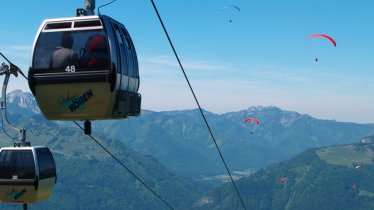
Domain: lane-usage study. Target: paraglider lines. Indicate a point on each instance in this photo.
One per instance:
(197, 102)
(127, 169)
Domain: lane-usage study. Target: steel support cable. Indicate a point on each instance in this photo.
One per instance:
(127, 169)
(197, 102)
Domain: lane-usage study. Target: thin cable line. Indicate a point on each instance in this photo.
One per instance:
(98, 9)
(13, 66)
(197, 102)
(127, 169)
(24, 76)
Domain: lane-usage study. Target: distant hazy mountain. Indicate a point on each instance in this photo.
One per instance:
(22, 103)
(339, 177)
(180, 140)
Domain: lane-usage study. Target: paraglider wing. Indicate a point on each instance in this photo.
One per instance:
(235, 7)
(232, 6)
(253, 119)
(325, 36)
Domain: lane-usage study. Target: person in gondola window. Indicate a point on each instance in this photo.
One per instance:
(63, 56)
(97, 52)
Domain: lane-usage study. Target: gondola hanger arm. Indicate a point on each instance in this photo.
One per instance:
(8, 70)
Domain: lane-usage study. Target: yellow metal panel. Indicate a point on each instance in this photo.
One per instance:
(27, 193)
(17, 194)
(45, 189)
(77, 101)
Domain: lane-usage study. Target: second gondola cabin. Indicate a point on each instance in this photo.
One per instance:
(27, 174)
(85, 68)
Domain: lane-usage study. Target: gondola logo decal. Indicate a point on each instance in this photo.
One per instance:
(14, 195)
(75, 102)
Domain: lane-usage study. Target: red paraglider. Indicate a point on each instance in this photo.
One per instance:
(256, 121)
(325, 36)
(253, 119)
(282, 180)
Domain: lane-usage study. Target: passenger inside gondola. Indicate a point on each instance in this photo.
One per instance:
(64, 56)
(97, 54)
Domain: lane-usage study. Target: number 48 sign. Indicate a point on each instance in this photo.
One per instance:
(70, 68)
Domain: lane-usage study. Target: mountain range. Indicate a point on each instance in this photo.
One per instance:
(181, 141)
(174, 148)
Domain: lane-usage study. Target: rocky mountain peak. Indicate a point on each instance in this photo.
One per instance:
(22, 100)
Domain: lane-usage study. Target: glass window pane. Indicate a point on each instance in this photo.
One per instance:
(52, 26)
(25, 165)
(5, 165)
(118, 34)
(17, 164)
(72, 51)
(125, 37)
(47, 168)
(93, 23)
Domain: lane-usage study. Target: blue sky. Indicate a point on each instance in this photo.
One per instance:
(263, 57)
